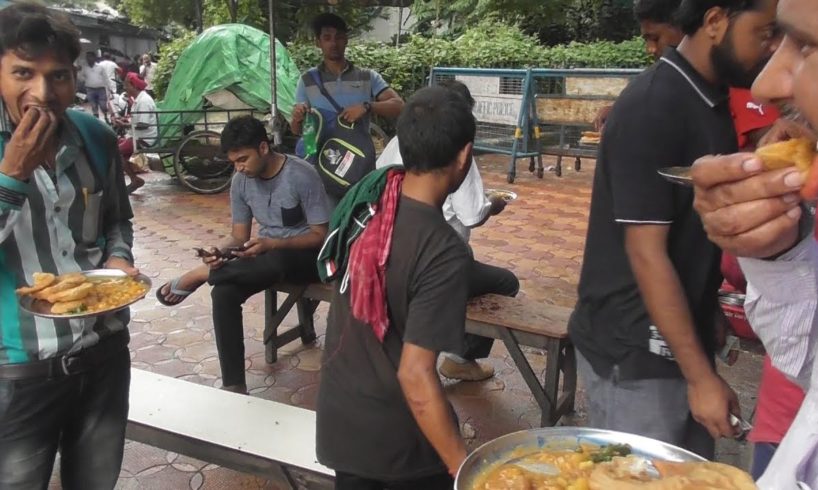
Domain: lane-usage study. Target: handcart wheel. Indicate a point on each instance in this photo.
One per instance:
(200, 164)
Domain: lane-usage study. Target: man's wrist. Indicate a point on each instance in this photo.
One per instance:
(806, 225)
(14, 173)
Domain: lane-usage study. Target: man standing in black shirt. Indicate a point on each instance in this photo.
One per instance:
(383, 420)
(644, 322)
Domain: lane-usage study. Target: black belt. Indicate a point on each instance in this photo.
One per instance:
(70, 364)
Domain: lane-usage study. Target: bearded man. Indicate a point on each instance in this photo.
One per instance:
(645, 322)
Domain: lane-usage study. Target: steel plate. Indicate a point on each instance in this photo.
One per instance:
(677, 175)
(508, 196)
(43, 308)
(500, 450)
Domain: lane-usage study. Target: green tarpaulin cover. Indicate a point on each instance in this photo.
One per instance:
(232, 57)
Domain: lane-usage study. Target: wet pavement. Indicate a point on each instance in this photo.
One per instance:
(540, 237)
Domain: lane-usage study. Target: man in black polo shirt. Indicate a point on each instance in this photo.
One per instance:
(644, 322)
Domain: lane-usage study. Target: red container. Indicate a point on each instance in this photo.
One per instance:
(735, 315)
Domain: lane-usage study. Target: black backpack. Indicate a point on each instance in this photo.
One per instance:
(346, 153)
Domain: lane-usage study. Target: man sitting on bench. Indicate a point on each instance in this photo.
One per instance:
(144, 123)
(286, 198)
(382, 416)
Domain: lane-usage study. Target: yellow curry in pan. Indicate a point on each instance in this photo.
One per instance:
(611, 467)
(574, 467)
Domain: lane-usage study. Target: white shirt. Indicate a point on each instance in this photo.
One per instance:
(782, 307)
(465, 208)
(144, 103)
(110, 68)
(94, 76)
(146, 72)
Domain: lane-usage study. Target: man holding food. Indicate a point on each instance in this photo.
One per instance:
(63, 209)
(753, 206)
(644, 325)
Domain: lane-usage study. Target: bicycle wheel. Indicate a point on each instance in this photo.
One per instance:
(200, 164)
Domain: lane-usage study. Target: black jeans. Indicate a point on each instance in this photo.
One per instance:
(486, 279)
(234, 283)
(345, 481)
(83, 415)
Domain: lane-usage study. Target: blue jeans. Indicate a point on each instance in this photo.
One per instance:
(762, 454)
(83, 415)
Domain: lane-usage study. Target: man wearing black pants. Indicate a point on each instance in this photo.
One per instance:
(285, 196)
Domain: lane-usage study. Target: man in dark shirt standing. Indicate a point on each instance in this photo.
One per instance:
(644, 322)
(383, 420)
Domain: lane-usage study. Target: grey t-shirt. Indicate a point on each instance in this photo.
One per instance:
(284, 206)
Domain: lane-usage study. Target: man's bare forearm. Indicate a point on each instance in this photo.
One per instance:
(389, 108)
(424, 394)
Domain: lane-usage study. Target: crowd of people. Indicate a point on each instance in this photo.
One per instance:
(130, 112)
(394, 244)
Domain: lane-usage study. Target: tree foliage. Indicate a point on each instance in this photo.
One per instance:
(490, 44)
(552, 21)
(291, 17)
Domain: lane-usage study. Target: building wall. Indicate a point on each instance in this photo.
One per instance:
(383, 30)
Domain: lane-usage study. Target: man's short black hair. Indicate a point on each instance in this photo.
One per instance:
(690, 14)
(459, 88)
(433, 128)
(30, 30)
(328, 19)
(243, 132)
(658, 11)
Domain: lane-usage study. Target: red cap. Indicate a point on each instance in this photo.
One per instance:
(137, 82)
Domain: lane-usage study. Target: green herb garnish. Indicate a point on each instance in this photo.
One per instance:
(608, 453)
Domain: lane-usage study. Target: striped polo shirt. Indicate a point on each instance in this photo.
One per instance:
(352, 87)
(70, 220)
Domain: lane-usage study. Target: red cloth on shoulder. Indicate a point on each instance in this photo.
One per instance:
(368, 258)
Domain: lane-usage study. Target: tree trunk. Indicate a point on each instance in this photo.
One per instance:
(197, 5)
(233, 6)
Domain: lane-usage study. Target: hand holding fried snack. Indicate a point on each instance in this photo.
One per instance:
(798, 153)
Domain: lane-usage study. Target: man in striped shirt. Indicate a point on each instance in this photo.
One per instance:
(63, 208)
(759, 217)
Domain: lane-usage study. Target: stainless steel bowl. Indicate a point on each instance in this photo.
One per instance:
(500, 450)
